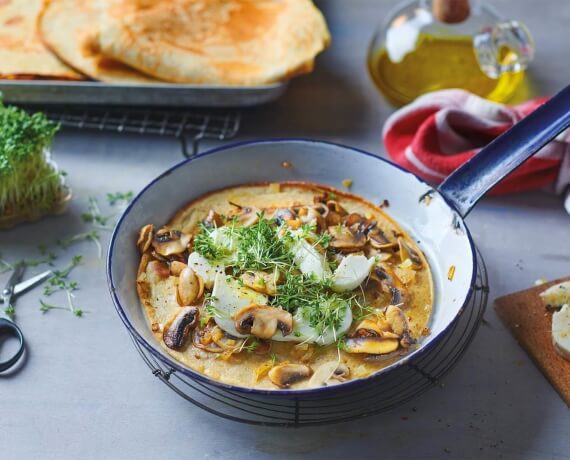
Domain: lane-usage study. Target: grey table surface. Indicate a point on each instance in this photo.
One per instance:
(85, 393)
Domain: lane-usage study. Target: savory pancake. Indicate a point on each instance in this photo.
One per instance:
(22, 53)
(237, 42)
(69, 28)
(288, 285)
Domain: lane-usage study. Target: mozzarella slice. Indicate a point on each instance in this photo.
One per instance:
(310, 261)
(206, 270)
(224, 237)
(303, 332)
(351, 272)
(561, 331)
(557, 295)
(229, 298)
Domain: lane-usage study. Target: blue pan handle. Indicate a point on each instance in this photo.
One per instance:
(468, 183)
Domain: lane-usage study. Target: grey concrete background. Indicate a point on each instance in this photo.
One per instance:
(85, 393)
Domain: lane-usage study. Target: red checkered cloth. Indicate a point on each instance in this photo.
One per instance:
(439, 131)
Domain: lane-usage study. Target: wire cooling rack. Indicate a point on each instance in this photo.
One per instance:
(189, 127)
(393, 389)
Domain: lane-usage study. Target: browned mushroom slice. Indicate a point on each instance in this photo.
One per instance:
(167, 242)
(328, 372)
(260, 281)
(263, 321)
(406, 252)
(286, 374)
(371, 345)
(283, 215)
(190, 287)
(374, 328)
(202, 338)
(390, 283)
(379, 240)
(322, 209)
(353, 219)
(246, 215)
(176, 267)
(335, 206)
(226, 341)
(367, 328)
(399, 325)
(177, 329)
(312, 215)
(345, 240)
(145, 238)
(213, 220)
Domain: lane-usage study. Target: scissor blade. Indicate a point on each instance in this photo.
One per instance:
(30, 283)
(8, 292)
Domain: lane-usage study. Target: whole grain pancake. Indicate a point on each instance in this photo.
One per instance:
(22, 53)
(69, 28)
(239, 42)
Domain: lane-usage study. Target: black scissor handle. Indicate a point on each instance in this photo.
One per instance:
(12, 329)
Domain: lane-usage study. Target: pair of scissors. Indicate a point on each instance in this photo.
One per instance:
(7, 325)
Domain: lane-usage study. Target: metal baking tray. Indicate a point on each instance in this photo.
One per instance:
(156, 94)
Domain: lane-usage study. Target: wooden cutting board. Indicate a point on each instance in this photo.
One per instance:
(527, 319)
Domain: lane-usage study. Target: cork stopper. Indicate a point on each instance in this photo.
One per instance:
(451, 11)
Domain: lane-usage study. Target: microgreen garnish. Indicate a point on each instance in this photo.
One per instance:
(266, 246)
(59, 282)
(206, 246)
(92, 235)
(119, 197)
(28, 180)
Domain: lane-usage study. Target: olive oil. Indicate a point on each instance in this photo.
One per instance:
(440, 62)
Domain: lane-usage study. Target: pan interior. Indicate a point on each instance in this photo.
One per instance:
(440, 233)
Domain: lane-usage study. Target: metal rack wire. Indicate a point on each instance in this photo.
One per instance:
(189, 127)
(339, 404)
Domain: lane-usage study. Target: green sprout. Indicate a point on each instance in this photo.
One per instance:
(29, 181)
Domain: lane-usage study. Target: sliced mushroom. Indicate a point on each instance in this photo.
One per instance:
(326, 372)
(341, 373)
(390, 283)
(371, 345)
(202, 338)
(406, 252)
(263, 321)
(396, 319)
(353, 219)
(213, 220)
(367, 328)
(247, 215)
(322, 209)
(399, 325)
(345, 240)
(190, 287)
(176, 267)
(177, 329)
(283, 215)
(167, 242)
(334, 206)
(379, 240)
(286, 374)
(260, 281)
(226, 341)
(145, 238)
(374, 328)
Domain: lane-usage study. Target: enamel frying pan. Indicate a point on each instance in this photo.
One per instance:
(436, 223)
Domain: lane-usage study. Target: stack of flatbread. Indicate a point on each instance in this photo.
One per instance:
(228, 42)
